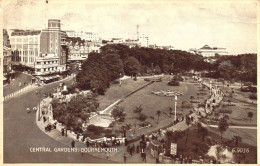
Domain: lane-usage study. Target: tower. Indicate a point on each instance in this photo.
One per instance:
(137, 31)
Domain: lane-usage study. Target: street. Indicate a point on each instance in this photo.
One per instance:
(21, 133)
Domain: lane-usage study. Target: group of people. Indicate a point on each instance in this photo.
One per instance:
(49, 127)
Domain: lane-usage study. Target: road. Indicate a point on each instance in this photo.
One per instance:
(21, 133)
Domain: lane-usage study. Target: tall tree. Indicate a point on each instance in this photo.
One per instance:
(188, 121)
(132, 66)
(222, 126)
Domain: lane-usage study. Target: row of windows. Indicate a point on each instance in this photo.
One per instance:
(25, 52)
(22, 59)
(47, 69)
(48, 62)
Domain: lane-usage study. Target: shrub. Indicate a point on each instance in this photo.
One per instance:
(248, 84)
(93, 128)
(142, 117)
(174, 83)
(178, 78)
(138, 109)
(253, 96)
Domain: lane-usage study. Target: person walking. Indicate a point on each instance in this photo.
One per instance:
(72, 143)
(133, 147)
(131, 151)
(128, 149)
(125, 157)
(137, 149)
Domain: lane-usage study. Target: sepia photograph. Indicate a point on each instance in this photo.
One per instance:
(129, 82)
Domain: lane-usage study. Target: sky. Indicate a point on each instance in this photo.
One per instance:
(182, 24)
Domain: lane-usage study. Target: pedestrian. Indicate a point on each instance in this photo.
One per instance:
(66, 132)
(133, 147)
(34, 109)
(125, 158)
(145, 157)
(72, 143)
(137, 149)
(44, 119)
(131, 151)
(128, 149)
(62, 131)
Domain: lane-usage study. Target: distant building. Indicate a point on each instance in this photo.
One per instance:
(144, 40)
(207, 51)
(7, 56)
(162, 47)
(80, 49)
(88, 36)
(30, 47)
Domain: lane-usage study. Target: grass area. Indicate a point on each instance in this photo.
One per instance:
(14, 86)
(250, 157)
(243, 105)
(116, 92)
(151, 103)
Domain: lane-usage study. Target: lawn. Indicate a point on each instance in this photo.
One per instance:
(243, 105)
(116, 92)
(14, 86)
(151, 103)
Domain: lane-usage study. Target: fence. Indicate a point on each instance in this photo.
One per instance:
(14, 94)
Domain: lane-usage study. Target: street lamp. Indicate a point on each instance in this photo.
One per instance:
(176, 98)
(120, 79)
(210, 86)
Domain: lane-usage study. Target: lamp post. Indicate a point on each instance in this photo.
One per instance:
(176, 98)
(120, 79)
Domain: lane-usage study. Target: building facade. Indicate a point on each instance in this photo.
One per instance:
(80, 49)
(87, 36)
(30, 47)
(207, 51)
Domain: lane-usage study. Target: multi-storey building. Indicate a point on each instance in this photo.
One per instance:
(79, 49)
(88, 36)
(31, 47)
(207, 51)
(144, 40)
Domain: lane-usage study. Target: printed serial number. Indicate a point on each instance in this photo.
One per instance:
(240, 150)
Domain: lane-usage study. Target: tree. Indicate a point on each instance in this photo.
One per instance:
(237, 139)
(158, 113)
(188, 121)
(199, 127)
(222, 126)
(132, 66)
(204, 133)
(118, 113)
(250, 115)
(172, 136)
(199, 148)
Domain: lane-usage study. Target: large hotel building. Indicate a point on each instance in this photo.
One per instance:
(45, 50)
